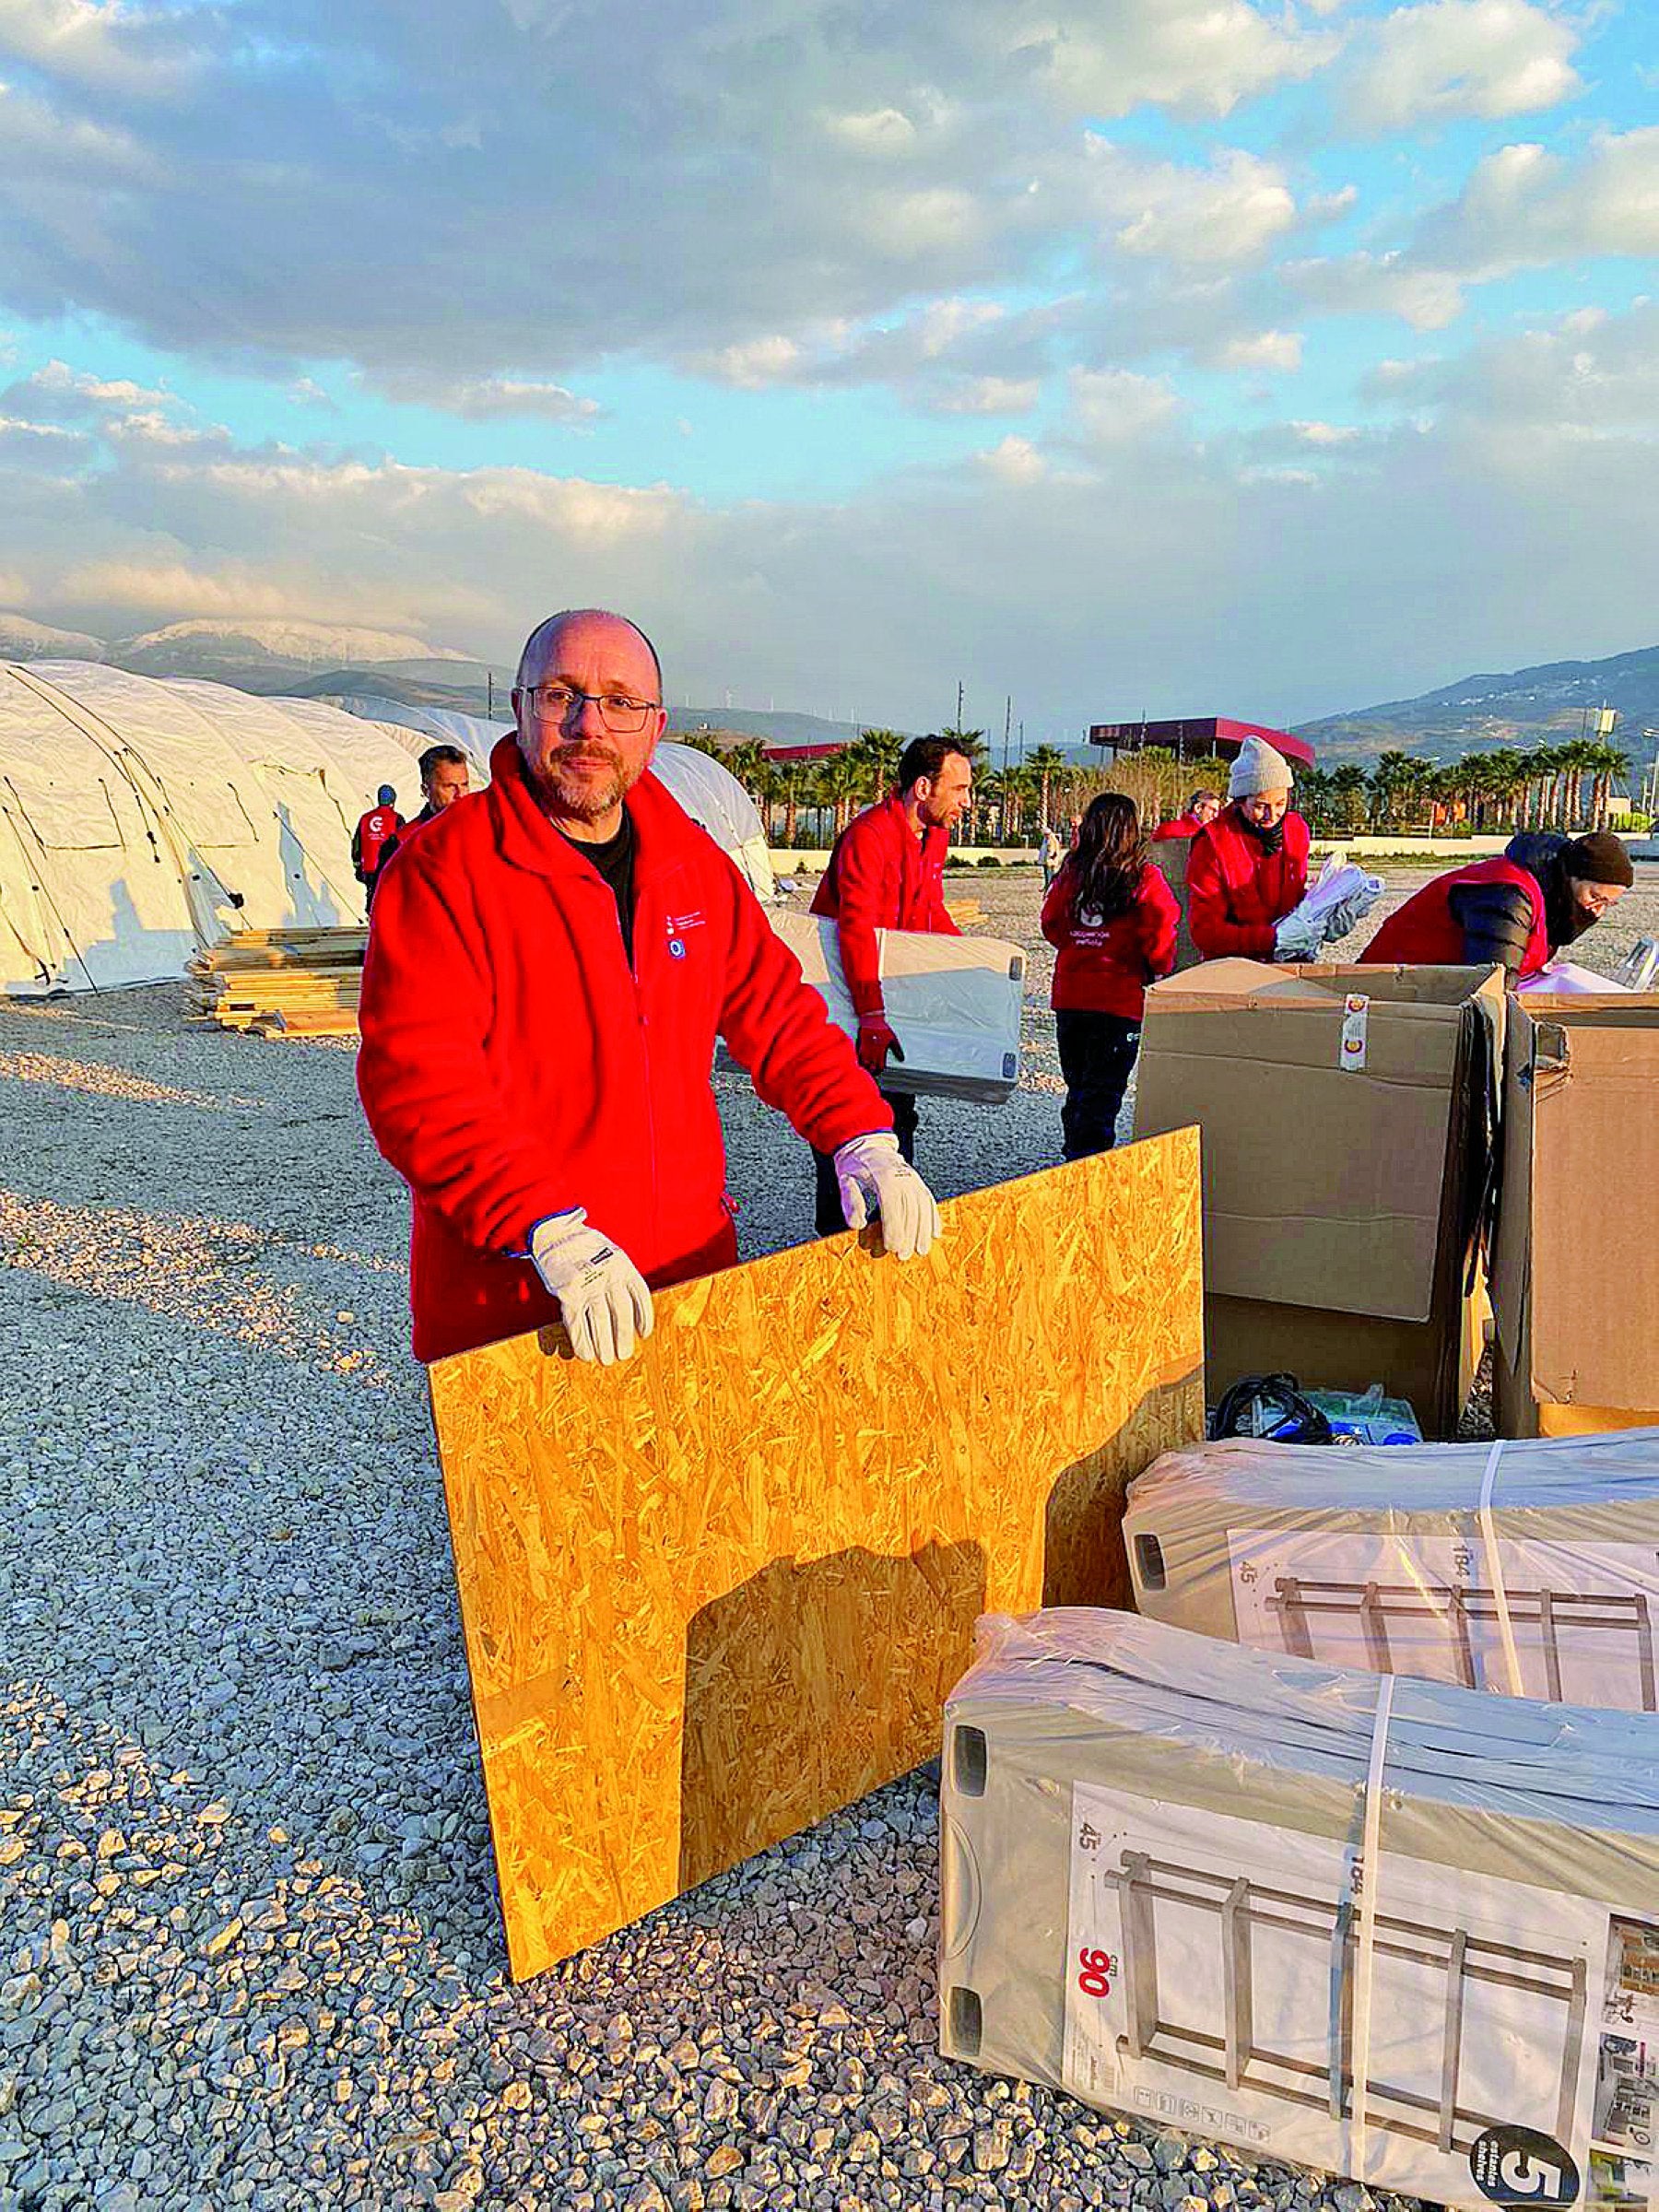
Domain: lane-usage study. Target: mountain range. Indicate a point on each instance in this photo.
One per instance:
(1522, 707)
(1527, 706)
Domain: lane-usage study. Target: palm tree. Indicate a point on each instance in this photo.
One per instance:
(841, 781)
(1347, 794)
(878, 752)
(1045, 763)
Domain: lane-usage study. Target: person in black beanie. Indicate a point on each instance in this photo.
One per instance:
(1518, 911)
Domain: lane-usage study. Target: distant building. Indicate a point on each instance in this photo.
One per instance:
(1197, 738)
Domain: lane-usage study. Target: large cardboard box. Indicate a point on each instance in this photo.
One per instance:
(1576, 1281)
(1348, 1117)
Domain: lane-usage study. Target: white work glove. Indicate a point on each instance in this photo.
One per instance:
(873, 1167)
(601, 1293)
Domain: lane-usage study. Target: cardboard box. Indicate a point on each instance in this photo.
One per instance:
(1348, 1117)
(1169, 1889)
(1576, 1279)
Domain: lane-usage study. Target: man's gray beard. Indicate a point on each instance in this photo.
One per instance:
(582, 802)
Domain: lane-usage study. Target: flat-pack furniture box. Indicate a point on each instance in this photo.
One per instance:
(1575, 1286)
(1530, 1569)
(953, 1004)
(1348, 1118)
(1377, 1925)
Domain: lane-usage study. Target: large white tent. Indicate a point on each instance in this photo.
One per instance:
(141, 819)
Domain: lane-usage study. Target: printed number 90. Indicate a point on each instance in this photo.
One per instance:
(1098, 1968)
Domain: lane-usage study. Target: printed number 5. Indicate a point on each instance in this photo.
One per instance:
(1098, 1968)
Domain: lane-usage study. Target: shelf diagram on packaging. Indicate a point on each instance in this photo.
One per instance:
(1582, 1616)
(1538, 1616)
(1553, 1989)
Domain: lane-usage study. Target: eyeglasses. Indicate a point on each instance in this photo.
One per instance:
(623, 716)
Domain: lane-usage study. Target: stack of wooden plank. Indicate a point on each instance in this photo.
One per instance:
(282, 983)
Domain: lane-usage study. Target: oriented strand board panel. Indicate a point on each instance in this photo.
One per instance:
(715, 1593)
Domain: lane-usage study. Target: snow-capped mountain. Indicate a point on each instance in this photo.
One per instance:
(213, 647)
(22, 639)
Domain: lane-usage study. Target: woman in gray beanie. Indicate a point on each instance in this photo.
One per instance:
(1249, 868)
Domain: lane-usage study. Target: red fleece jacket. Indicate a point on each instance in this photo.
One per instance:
(1104, 966)
(1183, 825)
(1237, 891)
(881, 876)
(513, 1065)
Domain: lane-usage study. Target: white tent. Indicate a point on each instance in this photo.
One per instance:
(142, 817)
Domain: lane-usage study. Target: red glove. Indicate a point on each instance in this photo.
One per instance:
(876, 1040)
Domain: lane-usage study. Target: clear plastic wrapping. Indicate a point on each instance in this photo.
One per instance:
(1385, 1928)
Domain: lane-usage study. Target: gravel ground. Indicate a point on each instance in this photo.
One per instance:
(249, 1945)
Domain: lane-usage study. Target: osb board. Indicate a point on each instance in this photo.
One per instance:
(715, 1593)
(1590, 1420)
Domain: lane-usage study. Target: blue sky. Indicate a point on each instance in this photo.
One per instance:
(1193, 355)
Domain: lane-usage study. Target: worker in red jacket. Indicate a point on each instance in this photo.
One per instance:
(888, 872)
(549, 967)
(1111, 919)
(374, 840)
(1517, 911)
(1201, 810)
(445, 777)
(1249, 868)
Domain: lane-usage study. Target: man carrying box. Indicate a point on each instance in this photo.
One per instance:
(888, 872)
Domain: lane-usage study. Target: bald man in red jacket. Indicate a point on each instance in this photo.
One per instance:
(549, 967)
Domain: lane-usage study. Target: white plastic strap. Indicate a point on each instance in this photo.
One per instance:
(1371, 1878)
(1489, 1536)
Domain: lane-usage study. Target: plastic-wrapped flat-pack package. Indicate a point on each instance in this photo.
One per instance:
(1526, 1568)
(955, 1003)
(1378, 1925)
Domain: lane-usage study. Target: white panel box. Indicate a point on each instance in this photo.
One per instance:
(1381, 1927)
(953, 1004)
(1528, 1568)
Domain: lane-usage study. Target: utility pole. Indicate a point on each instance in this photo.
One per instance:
(489, 694)
(1007, 723)
(959, 719)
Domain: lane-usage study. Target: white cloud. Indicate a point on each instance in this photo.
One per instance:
(490, 398)
(1115, 406)
(1280, 350)
(763, 174)
(106, 48)
(1534, 460)
(754, 364)
(988, 395)
(1326, 433)
(1015, 460)
(1386, 284)
(1446, 58)
(884, 131)
(1525, 206)
(1228, 213)
(1201, 54)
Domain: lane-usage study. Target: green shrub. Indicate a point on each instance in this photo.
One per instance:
(989, 860)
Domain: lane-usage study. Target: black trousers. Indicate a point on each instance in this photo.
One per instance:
(830, 1221)
(1097, 1058)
